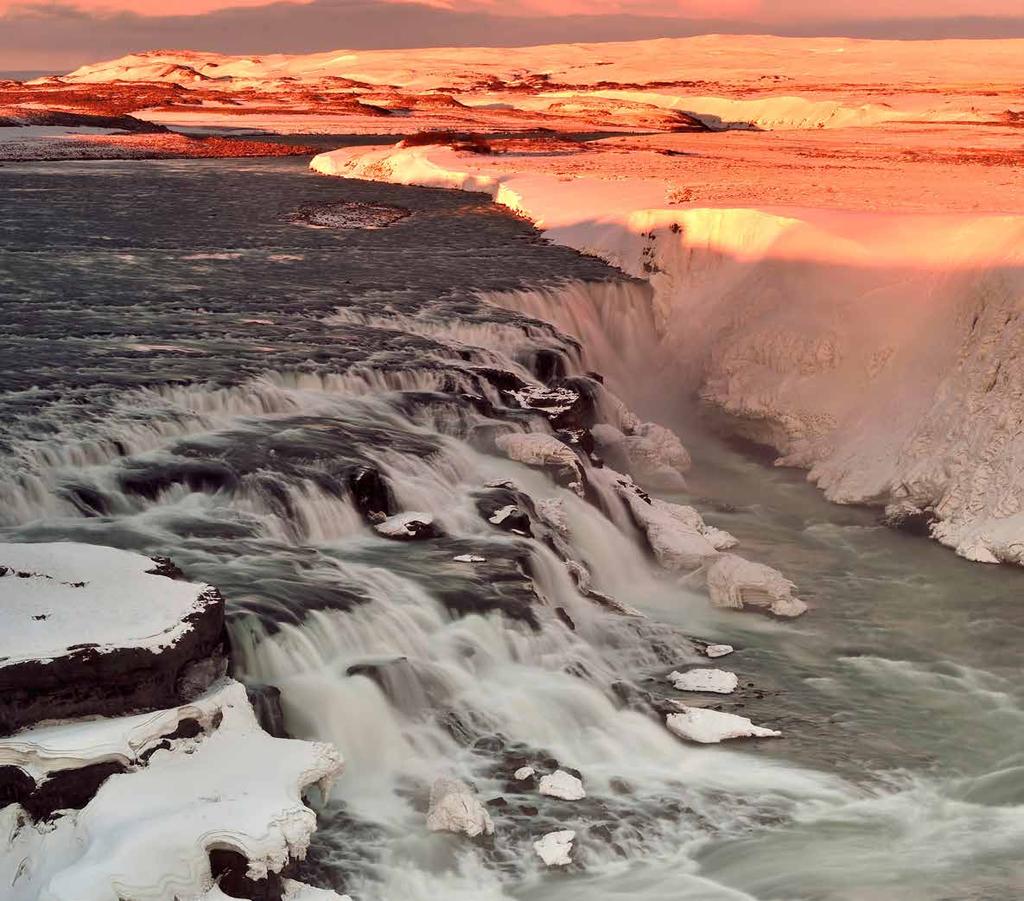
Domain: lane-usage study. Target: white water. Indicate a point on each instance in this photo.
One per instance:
(907, 784)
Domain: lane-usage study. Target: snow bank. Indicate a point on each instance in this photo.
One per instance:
(63, 595)
(709, 727)
(147, 833)
(93, 630)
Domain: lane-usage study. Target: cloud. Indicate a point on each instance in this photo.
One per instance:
(57, 36)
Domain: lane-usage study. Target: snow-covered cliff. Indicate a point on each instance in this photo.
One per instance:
(879, 350)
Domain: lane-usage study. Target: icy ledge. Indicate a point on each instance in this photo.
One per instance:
(882, 351)
(147, 833)
(89, 629)
(189, 801)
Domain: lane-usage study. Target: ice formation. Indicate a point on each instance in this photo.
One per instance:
(455, 808)
(707, 727)
(561, 784)
(555, 848)
(738, 583)
(871, 348)
(147, 832)
(712, 680)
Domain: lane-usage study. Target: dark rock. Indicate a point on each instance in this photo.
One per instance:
(61, 790)
(229, 869)
(87, 681)
(370, 492)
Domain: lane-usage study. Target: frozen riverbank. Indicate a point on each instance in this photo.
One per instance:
(261, 437)
(878, 350)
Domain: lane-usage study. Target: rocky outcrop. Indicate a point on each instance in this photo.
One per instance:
(455, 808)
(95, 630)
(120, 794)
(738, 583)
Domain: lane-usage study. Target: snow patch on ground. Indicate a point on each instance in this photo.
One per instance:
(64, 595)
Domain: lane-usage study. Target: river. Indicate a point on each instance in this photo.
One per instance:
(189, 368)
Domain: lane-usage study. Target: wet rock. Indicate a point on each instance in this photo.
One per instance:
(454, 808)
(907, 518)
(564, 617)
(370, 493)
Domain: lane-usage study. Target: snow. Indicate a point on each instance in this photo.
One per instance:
(297, 891)
(551, 511)
(653, 454)
(79, 594)
(454, 808)
(718, 650)
(499, 516)
(555, 848)
(737, 583)
(853, 319)
(675, 537)
(52, 747)
(536, 449)
(717, 681)
(713, 726)
(146, 834)
(561, 784)
(404, 525)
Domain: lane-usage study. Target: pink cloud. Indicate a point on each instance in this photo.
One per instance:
(764, 11)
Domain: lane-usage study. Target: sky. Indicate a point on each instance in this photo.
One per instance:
(58, 35)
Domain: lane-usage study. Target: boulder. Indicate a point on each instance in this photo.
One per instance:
(408, 527)
(734, 582)
(555, 848)
(716, 681)
(561, 784)
(455, 808)
(709, 727)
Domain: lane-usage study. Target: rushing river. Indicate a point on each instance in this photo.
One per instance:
(189, 367)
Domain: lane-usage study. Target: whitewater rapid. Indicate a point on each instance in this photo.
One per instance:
(228, 441)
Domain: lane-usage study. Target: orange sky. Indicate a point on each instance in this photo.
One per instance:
(762, 10)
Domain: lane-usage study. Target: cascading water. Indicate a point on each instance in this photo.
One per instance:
(260, 433)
